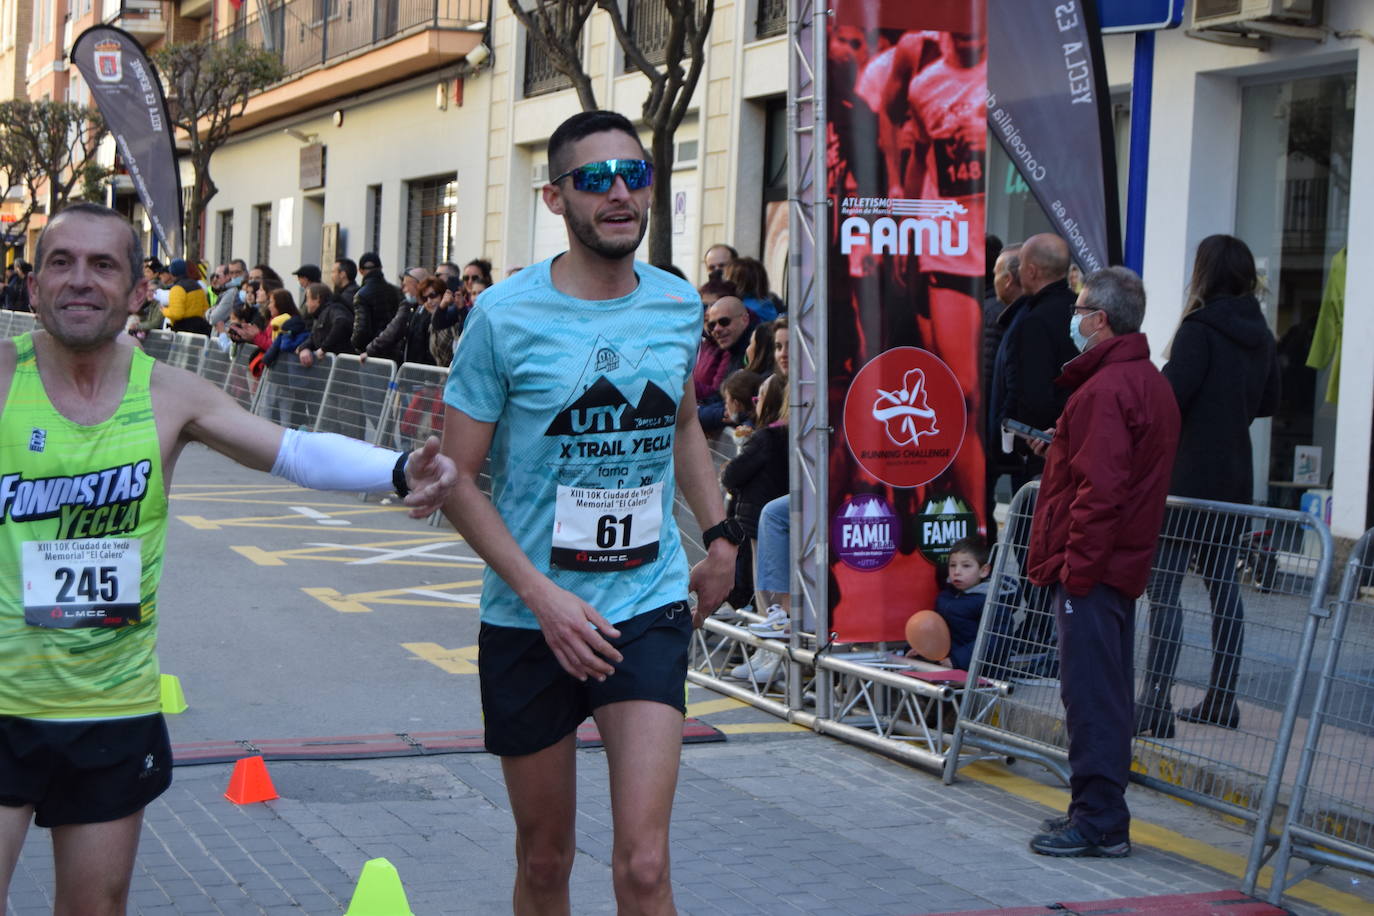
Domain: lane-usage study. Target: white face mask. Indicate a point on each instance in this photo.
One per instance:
(1076, 332)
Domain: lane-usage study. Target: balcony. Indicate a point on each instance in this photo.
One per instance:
(332, 48)
(140, 18)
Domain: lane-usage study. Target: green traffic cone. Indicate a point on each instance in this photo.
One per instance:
(379, 892)
(173, 700)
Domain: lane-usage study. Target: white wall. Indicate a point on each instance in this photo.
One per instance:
(387, 142)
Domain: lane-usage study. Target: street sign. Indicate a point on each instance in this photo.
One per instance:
(1139, 15)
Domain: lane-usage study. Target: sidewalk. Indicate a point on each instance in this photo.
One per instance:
(770, 822)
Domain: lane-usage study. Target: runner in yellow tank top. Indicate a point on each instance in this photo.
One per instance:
(89, 433)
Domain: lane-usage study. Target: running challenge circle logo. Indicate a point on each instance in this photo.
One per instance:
(904, 417)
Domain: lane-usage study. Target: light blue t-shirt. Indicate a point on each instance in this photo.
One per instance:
(584, 395)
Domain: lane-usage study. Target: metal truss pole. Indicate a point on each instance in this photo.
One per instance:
(808, 228)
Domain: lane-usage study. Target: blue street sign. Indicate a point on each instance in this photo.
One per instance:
(1139, 15)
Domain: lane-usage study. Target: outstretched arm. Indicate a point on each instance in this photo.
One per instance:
(199, 412)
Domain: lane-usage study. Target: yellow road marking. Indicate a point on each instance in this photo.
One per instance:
(1162, 838)
(756, 728)
(462, 660)
(348, 553)
(706, 707)
(358, 602)
(202, 523)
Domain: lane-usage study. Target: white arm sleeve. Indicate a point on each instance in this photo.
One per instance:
(328, 461)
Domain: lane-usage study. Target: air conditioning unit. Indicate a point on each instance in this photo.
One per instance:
(1236, 14)
(540, 176)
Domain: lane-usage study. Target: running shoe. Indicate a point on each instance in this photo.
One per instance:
(1071, 843)
(777, 625)
(762, 668)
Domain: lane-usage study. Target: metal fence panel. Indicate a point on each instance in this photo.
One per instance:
(1330, 818)
(1224, 637)
(158, 345)
(354, 396)
(19, 322)
(414, 408)
(188, 351)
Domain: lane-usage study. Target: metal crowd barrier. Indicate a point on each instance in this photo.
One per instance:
(1330, 818)
(897, 706)
(1224, 636)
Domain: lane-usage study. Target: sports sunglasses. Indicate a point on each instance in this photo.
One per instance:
(597, 177)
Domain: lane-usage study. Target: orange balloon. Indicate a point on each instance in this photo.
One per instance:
(928, 634)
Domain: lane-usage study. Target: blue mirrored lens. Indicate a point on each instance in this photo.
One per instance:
(597, 177)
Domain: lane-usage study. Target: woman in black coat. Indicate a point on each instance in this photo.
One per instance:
(1224, 370)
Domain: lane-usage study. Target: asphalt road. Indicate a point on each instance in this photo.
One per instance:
(291, 613)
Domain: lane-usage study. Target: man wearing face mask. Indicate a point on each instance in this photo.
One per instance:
(1093, 538)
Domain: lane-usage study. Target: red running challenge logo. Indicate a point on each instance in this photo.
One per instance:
(904, 417)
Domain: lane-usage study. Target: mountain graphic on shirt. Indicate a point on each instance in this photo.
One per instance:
(600, 404)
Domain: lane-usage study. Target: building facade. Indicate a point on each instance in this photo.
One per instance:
(419, 129)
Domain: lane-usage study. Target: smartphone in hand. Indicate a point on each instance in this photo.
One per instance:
(1027, 432)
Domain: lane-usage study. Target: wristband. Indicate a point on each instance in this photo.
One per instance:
(398, 476)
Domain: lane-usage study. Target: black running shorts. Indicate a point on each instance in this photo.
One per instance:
(530, 703)
(83, 772)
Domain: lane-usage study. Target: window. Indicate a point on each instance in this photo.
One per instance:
(1293, 210)
(226, 236)
(373, 230)
(772, 18)
(541, 76)
(262, 243)
(648, 26)
(431, 218)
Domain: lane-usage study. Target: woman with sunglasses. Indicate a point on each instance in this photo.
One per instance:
(447, 325)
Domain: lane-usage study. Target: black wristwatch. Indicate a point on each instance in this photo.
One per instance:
(730, 529)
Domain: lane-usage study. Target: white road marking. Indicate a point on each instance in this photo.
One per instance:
(318, 516)
(385, 554)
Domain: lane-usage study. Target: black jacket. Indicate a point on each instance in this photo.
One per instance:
(758, 474)
(374, 305)
(346, 294)
(331, 328)
(1223, 367)
(406, 338)
(1040, 349)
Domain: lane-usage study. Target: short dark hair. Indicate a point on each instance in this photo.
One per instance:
(134, 251)
(269, 274)
(348, 267)
(584, 124)
(672, 269)
(718, 288)
(240, 263)
(974, 546)
(484, 266)
(430, 285)
(743, 386)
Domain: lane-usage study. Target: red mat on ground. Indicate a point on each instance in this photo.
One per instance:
(400, 744)
(1212, 903)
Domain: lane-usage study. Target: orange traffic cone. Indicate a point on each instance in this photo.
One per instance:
(250, 782)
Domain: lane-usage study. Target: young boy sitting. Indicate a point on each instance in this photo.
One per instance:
(950, 631)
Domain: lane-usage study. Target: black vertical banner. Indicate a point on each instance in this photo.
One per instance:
(1048, 106)
(126, 89)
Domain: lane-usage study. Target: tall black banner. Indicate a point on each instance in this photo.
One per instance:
(126, 89)
(1048, 107)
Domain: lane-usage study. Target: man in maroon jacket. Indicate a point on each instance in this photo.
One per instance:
(1093, 540)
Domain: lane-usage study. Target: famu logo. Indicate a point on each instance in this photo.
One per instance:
(98, 504)
(913, 226)
(941, 523)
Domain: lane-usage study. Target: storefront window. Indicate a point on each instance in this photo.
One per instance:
(1293, 202)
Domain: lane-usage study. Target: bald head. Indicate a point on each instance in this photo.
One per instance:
(1044, 260)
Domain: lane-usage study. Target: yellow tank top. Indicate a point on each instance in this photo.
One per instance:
(83, 522)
